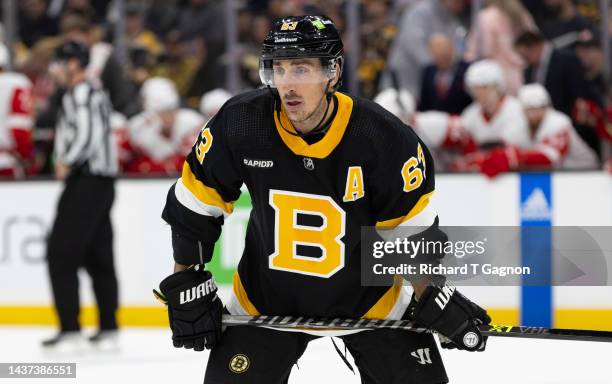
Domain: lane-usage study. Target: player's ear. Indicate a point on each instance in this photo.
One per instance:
(336, 77)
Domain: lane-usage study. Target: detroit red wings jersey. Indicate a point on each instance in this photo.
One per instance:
(302, 247)
(15, 120)
(158, 149)
(507, 126)
(557, 139)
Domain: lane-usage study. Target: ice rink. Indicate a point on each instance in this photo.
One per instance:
(146, 356)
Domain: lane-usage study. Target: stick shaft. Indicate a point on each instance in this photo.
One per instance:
(294, 322)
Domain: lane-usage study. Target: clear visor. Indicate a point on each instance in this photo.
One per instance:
(295, 71)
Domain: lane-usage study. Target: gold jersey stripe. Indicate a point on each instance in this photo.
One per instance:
(418, 208)
(326, 145)
(203, 193)
(383, 306)
(242, 296)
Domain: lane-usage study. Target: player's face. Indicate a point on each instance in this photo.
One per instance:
(301, 85)
(487, 96)
(535, 116)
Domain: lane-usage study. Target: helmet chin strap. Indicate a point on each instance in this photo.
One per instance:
(317, 129)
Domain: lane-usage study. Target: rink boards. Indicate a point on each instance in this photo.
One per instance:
(143, 250)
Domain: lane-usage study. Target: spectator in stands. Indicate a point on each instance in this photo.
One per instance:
(377, 34)
(163, 133)
(212, 101)
(177, 64)
(409, 50)
(442, 82)
(492, 37)
(103, 67)
(589, 52)
(34, 23)
(561, 73)
(15, 120)
(564, 22)
(161, 16)
(250, 50)
(203, 18)
(135, 33)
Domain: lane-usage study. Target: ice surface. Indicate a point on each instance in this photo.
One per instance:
(146, 356)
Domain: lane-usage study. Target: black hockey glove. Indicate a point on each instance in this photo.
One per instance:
(453, 315)
(194, 308)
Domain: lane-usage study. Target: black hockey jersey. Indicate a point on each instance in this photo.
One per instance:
(302, 247)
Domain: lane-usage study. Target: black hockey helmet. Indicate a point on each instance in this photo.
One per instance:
(302, 37)
(73, 50)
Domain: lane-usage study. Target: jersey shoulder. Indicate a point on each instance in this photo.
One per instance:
(375, 123)
(247, 116)
(249, 101)
(14, 80)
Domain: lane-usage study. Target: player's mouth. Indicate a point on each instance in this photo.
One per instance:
(293, 105)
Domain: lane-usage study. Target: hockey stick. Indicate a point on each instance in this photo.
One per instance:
(294, 322)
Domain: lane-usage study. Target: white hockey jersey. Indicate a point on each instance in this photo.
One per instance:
(507, 126)
(146, 134)
(15, 118)
(557, 139)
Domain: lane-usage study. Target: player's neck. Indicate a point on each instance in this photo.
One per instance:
(316, 119)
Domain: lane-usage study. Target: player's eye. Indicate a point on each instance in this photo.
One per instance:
(279, 71)
(300, 70)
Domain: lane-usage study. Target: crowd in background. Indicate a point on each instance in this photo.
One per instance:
(415, 59)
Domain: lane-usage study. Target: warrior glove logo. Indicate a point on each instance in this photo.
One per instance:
(197, 292)
(444, 296)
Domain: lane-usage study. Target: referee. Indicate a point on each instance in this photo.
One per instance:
(86, 159)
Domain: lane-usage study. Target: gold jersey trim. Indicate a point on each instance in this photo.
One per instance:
(326, 145)
(242, 296)
(418, 208)
(385, 304)
(205, 194)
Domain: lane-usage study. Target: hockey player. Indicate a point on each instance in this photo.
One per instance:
(319, 165)
(494, 118)
(163, 133)
(15, 120)
(554, 142)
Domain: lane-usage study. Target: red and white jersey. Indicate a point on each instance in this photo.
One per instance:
(15, 120)
(557, 139)
(508, 125)
(435, 128)
(147, 134)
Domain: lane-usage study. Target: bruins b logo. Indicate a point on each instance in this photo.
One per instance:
(239, 363)
(289, 235)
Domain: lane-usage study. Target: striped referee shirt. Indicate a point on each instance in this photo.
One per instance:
(83, 137)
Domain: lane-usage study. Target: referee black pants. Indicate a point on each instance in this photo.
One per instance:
(82, 236)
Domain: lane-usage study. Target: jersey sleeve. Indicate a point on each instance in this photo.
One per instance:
(203, 196)
(20, 120)
(403, 184)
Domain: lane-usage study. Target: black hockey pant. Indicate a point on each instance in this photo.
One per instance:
(82, 236)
